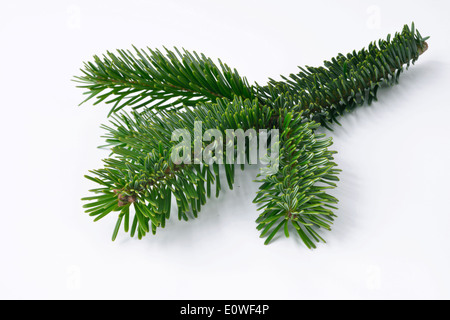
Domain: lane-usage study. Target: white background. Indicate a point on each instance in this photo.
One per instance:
(392, 237)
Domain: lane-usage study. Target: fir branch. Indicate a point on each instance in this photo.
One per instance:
(296, 194)
(156, 80)
(141, 172)
(141, 175)
(325, 93)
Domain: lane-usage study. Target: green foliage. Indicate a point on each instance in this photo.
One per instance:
(172, 90)
(296, 194)
(141, 173)
(154, 80)
(347, 81)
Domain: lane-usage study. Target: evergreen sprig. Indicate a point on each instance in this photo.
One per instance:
(156, 80)
(172, 90)
(347, 81)
(296, 194)
(142, 174)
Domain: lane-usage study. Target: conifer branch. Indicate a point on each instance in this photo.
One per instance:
(296, 195)
(348, 81)
(142, 174)
(154, 80)
(176, 89)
